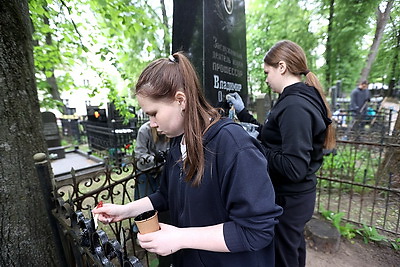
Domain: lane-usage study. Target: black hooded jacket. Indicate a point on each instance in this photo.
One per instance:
(293, 136)
(235, 190)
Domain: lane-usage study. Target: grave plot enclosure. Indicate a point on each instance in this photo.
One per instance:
(107, 133)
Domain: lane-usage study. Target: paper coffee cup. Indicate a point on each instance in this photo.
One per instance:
(147, 222)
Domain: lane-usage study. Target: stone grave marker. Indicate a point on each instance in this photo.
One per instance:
(52, 135)
(213, 34)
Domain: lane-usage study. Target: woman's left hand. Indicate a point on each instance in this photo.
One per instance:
(163, 242)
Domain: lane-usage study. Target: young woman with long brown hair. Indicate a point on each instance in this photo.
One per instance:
(215, 182)
(294, 135)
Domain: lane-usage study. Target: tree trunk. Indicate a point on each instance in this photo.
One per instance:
(25, 234)
(394, 68)
(51, 80)
(390, 164)
(328, 53)
(167, 49)
(382, 19)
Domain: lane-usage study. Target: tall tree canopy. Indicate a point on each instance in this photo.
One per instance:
(349, 25)
(271, 21)
(336, 34)
(68, 34)
(386, 68)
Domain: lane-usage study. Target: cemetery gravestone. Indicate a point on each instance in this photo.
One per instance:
(213, 34)
(70, 124)
(52, 135)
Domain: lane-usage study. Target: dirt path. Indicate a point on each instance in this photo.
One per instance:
(355, 253)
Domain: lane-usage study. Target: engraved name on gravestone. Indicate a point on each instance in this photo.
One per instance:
(213, 33)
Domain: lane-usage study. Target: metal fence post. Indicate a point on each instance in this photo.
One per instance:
(45, 178)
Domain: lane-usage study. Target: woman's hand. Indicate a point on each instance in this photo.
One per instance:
(162, 242)
(110, 213)
(236, 101)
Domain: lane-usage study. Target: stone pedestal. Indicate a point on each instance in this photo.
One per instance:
(322, 236)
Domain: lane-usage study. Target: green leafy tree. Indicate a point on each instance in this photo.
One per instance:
(386, 66)
(349, 23)
(132, 32)
(270, 21)
(57, 46)
(69, 33)
(381, 20)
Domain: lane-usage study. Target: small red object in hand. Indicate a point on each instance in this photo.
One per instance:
(100, 204)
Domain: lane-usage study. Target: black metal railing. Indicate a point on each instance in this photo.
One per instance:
(109, 139)
(71, 205)
(379, 120)
(360, 180)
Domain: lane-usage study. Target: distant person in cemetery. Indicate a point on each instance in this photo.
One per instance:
(150, 150)
(359, 98)
(215, 181)
(294, 135)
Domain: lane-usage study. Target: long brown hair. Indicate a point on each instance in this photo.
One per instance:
(161, 79)
(294, 57)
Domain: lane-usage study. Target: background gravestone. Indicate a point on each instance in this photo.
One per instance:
(213, 34)
(52, 135)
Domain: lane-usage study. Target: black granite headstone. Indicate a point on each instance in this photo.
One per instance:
(52, 135)
(213, 34)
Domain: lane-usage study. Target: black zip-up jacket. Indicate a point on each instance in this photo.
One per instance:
(236, 190)
(293, 136)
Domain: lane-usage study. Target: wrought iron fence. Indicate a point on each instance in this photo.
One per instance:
(83, 245)
(110, 139)
(355, 180)
(376, 119)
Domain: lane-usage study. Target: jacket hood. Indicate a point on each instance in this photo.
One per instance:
(213, 130)
(309, 93)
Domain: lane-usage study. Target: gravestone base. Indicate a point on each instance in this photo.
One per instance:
(322, 236)
(58, 150)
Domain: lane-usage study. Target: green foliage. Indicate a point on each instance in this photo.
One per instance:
(386, 66)
(350, 24)
(396, 244)
(268, 22)
(129, 34)
(131, 30)
(369, 233)
(57, 47)
(348, 230)
(349, 33)
(70, 34)
(353, 163)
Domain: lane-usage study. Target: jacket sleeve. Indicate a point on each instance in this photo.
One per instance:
(142, 148)
(249, 198)
(245, 116)
(354, 101)
(293, 159)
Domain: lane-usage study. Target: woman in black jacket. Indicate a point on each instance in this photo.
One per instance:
(294, 135)
(221, 214)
